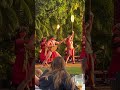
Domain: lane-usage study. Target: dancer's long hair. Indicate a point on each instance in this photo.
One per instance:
(58, 70)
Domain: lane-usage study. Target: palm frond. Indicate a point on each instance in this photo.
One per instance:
(9, 2)
(27, 11)
(3, 4)
(13, 20)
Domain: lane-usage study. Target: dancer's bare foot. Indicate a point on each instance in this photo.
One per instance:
(65, 62)
(73, 63)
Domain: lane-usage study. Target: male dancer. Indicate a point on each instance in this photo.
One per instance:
(70, 47)
(51, 43)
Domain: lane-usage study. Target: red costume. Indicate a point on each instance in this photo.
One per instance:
(70, 51)
(42, 53)
(83, 54)
(54, 55)
(70, 48)
(19, 74)
(50, 55)
(115, 62)
(24, 59)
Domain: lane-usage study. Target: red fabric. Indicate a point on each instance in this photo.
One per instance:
(43, 46)
(83, 54)
(42, 54)
(70, 51)
(18, 75)
(54, 55)
(115, 63)
(88, 63)
(68, 42)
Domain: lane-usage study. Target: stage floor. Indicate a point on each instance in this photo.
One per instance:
(77, 64)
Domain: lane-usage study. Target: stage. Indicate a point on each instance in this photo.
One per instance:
(71, 68)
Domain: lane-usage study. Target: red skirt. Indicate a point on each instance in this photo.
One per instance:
(18, 75)
(83, 54)
(53, 56)
(42, 56)
(115, 64)
(70, 51)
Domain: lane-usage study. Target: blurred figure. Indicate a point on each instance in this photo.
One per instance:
(56, 78)
(24, 50)
(114, 69)
(51, 48)
(43, 47)
(18, 73)
(89, 52)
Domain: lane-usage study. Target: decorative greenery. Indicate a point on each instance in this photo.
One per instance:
(13, 15)
(49, 13)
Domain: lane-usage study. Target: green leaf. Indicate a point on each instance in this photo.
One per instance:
(9, 2)
(4, 4)
(12, 17)
(27, 11)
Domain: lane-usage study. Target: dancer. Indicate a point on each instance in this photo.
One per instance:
(18, 73)
(89, 52)
(114, 69)
(51, 50)
(28, 65)
(70, 48)
(42, 51)
(23, 61)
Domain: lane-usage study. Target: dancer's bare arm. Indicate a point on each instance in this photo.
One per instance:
(90, 21)
(88, 25)
(72, 36)
(56, 42)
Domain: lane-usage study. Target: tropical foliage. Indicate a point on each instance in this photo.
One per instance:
(13, 15)
(50, 13)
